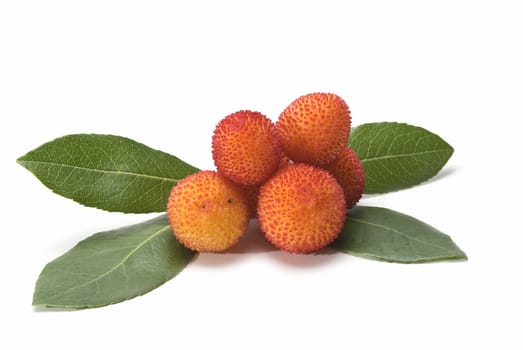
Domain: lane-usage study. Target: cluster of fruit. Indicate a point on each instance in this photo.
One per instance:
(297, 176)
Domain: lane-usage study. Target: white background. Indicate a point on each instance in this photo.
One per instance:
(164, 73)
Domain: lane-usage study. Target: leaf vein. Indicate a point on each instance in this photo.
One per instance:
(103, 171)
(371, 159)
(120, 264)
(400, 233)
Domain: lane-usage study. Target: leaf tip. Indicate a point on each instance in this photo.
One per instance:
(36, 303)
(451, 149)
(461, 255)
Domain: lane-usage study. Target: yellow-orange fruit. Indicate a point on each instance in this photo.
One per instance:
(245, 148)
(348, 171)
(301, 209)
(207, 212)
(314, 128)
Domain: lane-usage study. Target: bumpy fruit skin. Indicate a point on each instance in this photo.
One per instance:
(207, 212)
(314, 128)
(348, 171)
(245, 147)
(301, 209)
(253, 191)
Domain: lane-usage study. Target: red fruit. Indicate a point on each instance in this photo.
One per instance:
(314, 128)
(245, 148)
(253, 191)
(348, 171)
(301, 209)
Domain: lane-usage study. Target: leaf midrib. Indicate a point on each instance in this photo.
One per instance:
(401, 234)
(157, 233)
(115, 172)
(363, 160)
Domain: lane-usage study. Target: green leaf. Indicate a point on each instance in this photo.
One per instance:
(384, 234)
(107, 172)
(112, 266)
(397, 156)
